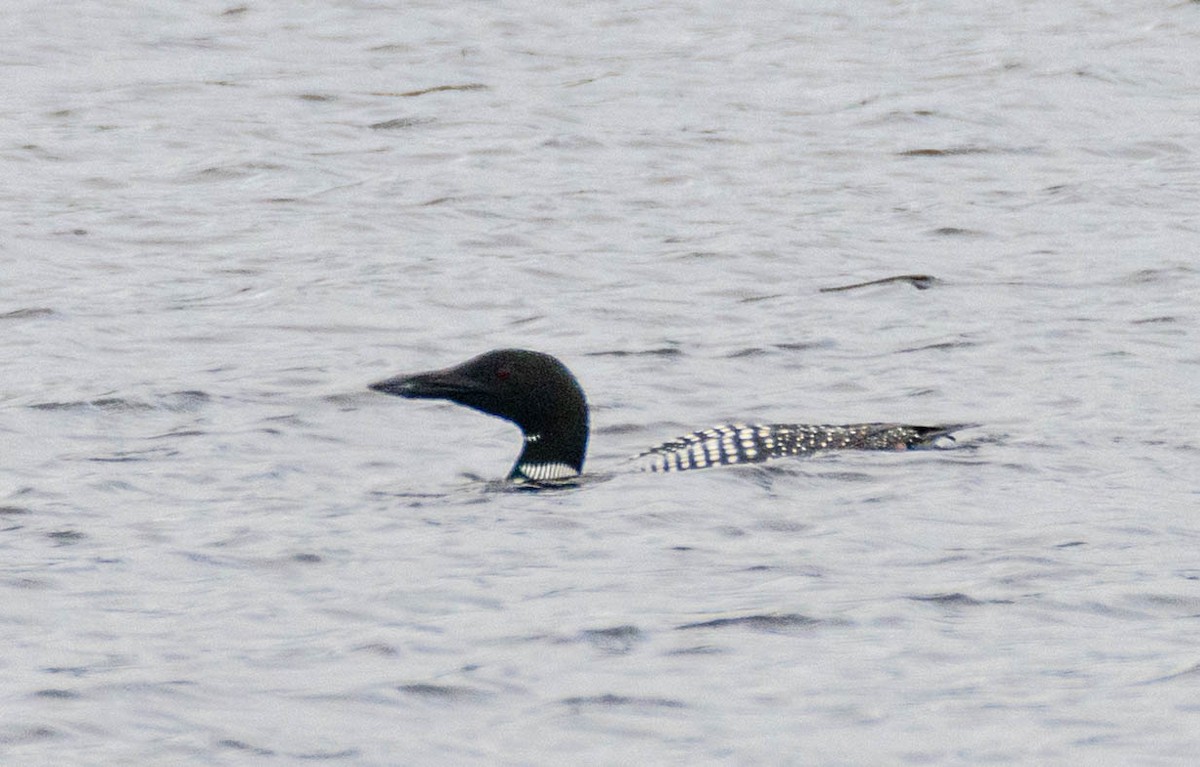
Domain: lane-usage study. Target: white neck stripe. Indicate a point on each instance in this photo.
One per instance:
(540, 471)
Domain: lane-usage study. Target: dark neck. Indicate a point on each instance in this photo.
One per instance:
(554, 451)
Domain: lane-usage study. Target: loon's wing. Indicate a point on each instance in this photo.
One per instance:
(753, 443)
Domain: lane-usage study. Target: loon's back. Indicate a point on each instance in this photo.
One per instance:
(754, 443)
(541, 396)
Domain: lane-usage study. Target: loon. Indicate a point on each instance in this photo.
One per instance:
(540, 395)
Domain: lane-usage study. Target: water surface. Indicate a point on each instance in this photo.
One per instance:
(223, 220)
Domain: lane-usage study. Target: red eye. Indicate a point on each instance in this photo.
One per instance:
(503, 373)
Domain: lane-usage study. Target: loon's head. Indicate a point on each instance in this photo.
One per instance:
(533, 390)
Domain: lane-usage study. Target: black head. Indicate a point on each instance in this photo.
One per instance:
(533, 390)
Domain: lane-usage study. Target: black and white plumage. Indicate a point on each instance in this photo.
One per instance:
(541, 396)
(753, 443)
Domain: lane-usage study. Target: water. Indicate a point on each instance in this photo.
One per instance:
(221, 221)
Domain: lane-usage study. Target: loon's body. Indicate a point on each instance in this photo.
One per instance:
(537, 393)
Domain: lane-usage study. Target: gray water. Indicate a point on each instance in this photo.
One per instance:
(220, 221)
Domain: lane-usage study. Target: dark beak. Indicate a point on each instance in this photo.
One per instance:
(437, 384)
